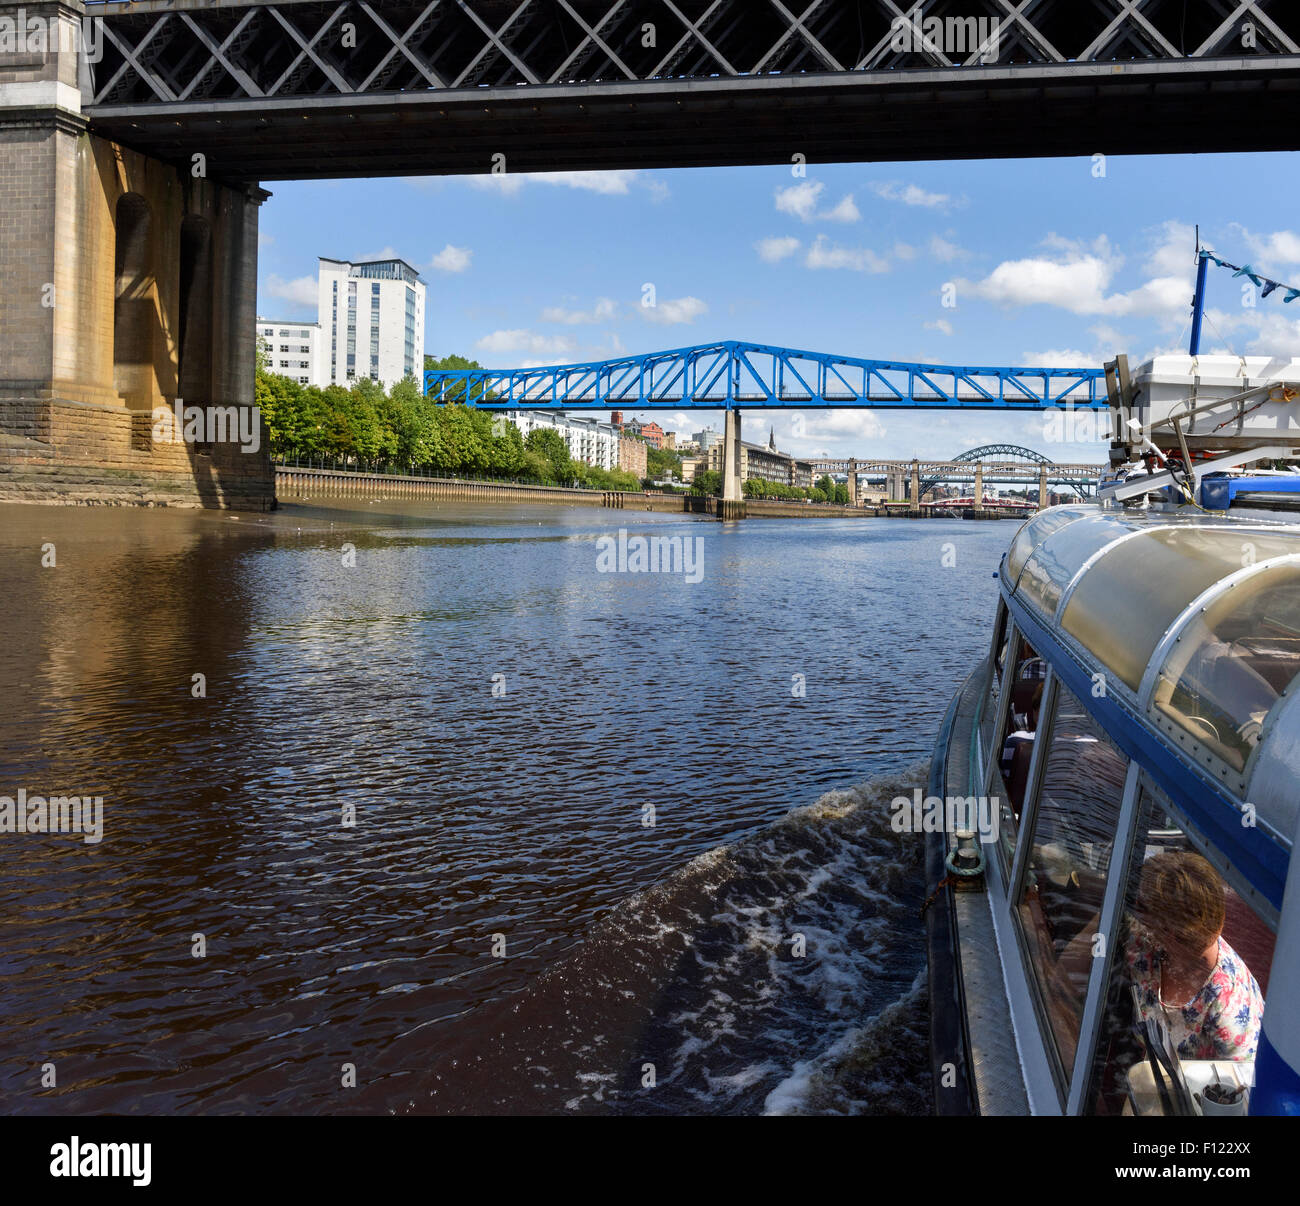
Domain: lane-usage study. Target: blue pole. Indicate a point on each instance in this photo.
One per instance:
(1198, 304)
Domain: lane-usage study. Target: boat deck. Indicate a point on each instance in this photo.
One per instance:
(995, 1059)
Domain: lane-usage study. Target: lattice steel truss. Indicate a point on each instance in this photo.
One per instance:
(177, 51)
(755, 376)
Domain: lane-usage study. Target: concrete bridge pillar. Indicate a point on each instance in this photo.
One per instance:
(1043, 500)
(979, 485)
(731, 476)
(125, 284)
(853, 483)
(914, 495)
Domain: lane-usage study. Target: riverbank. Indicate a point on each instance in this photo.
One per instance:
(293, 484)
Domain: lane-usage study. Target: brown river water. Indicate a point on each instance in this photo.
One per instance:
(500, 707)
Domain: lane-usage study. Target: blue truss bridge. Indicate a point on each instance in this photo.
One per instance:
(732, 375)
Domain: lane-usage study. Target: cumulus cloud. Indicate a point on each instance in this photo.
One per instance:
(825, 254)
(1077, 277)
(1060, 358)
(840, 424)
(613, 183)
(519, 341)
(800, 201)
(942, 325)
(674, 311)
(302, 291)
(910, 194)
(945, 252)
(776, 248)
(604, 310)
(845, 211)
(453, 259)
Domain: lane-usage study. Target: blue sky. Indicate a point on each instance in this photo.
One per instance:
(1051, 261)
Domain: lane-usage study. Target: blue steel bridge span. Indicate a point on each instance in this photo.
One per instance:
(732, 375)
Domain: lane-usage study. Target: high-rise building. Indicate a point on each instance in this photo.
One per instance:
(372, 321)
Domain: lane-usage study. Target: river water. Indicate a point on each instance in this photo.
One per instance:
(457, 821)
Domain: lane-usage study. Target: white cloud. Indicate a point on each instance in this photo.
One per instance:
(1059, 358)
(453, 259)
(904, 251)
(1077, 278)
(1280, 247)
(303, 291)
(505, 343)
(942, 325)
(675, 311)
(840, 424)
(824, 254)
(800, 201)
(1174, 253)
(507, 183)
(775, 249)
(264, 239)
(388, 253)
(845, 211)
(945, 252)
(614, 183)
(910, 194)
(604, 310)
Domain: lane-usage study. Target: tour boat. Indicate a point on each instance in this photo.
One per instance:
(1114, 915)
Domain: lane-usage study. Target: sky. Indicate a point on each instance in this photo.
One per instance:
(1062, 262)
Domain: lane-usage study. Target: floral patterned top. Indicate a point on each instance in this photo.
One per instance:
(1221, 1022)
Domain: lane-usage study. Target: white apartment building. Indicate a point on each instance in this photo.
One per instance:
(372, 321)
(293, 349)
(589, 440)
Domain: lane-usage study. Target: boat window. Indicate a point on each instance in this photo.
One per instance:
(1001, 649)
(1056, 561)
(1185, 996)
(1075, 821)
(1035, 532)
(1027, 680)
(1232, 663)
(1128, 598)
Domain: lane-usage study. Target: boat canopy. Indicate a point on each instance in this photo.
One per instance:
(1193, 622)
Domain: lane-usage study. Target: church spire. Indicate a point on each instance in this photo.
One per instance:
(771, 438)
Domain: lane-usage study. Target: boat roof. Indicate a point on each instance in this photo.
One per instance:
(1191, 623)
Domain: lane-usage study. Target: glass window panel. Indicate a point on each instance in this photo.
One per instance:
(989, 714)
(1056, 561)
(1125, 602)
(1027, 680)
(1035, 532)
(1188, 978)
(1232, 663)
(1074, 830)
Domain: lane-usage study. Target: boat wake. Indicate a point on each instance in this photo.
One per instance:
(781, 974)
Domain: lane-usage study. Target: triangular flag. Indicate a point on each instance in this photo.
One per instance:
(1269, 286)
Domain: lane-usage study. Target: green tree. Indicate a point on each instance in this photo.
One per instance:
(552, 446)
(707, 481)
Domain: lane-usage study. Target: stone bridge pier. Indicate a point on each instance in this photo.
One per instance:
(126, 283)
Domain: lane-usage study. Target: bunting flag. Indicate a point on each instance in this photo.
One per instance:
(1263, 283)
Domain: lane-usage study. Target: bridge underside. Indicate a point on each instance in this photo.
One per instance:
(986, 113)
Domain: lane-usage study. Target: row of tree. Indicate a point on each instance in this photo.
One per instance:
(400, 430)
